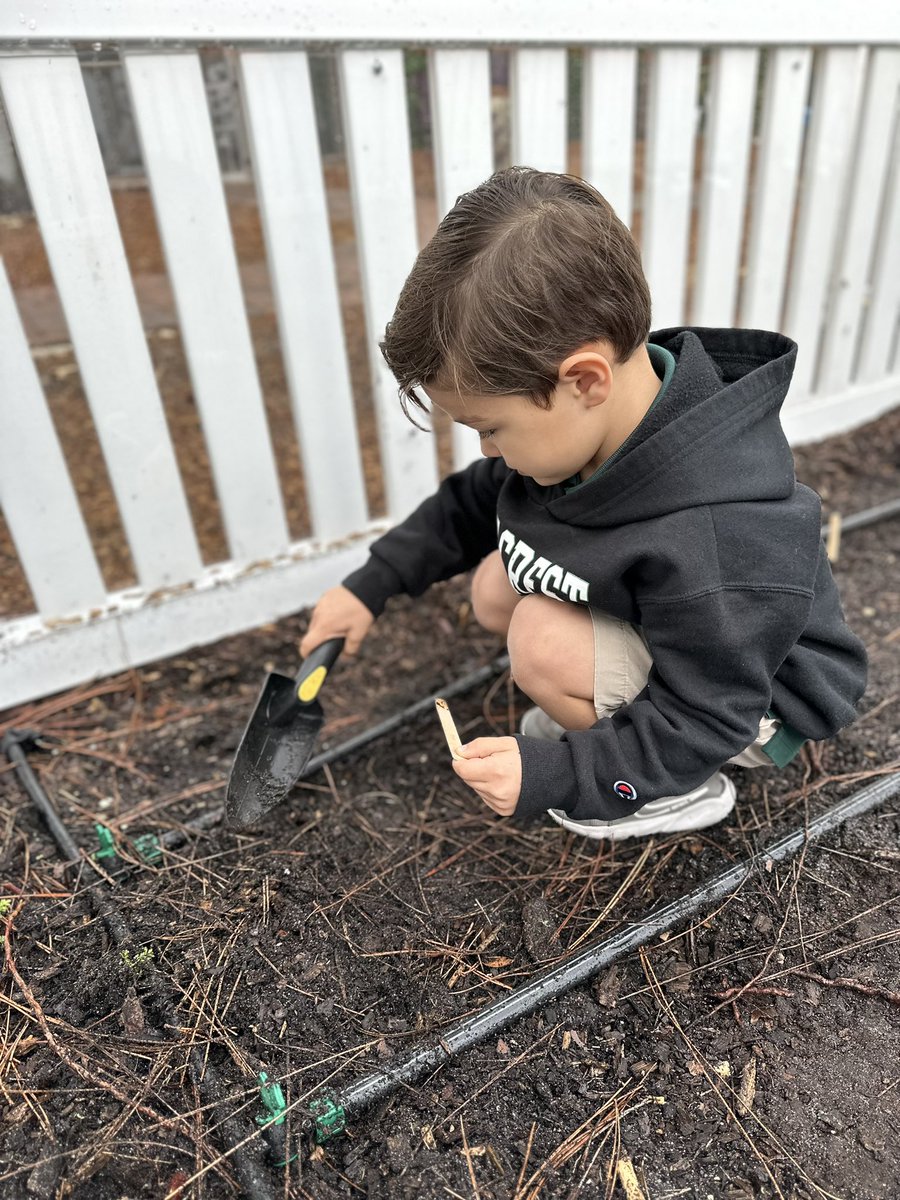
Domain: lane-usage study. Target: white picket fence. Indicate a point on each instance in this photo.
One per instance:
(807, 147)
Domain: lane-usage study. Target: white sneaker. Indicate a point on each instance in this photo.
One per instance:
(703, 806)
(536, 723)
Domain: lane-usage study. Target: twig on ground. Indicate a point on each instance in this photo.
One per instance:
(842, 981)
(796, 868)
(468, 1154)
(623, 887)
(743, 990)
(30, 715)
(525, 1159)
(609, 1113)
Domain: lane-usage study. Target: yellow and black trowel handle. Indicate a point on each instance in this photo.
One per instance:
(315, 668)
(309, 679)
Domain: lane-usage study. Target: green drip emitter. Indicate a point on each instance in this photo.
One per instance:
(273, 1119)
(329, 1116)
(107, 843)
(147, 845)
(273, 1099)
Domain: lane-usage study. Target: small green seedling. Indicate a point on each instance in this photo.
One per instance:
(5, 906)
(141, 959)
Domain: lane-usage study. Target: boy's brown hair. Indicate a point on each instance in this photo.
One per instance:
(524, 269)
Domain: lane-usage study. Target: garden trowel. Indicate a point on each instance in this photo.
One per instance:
(279, 738)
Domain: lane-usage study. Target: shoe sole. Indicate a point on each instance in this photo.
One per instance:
(699, 815)
(529, 726)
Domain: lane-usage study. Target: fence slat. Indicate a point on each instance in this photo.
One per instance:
(878, 345)
(460, 82)
(726, 160)
(832, 124)
(869, 179)
(49, 116)
(176, 137)
(669, 169)
(373, 86)
(778, 160)
(36, 493)
(284, 145)
(609, 83)
(539, 108)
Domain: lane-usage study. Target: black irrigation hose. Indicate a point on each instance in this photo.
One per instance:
(419, 709)
(890, 508)
(254, 1176)
(329, 1111)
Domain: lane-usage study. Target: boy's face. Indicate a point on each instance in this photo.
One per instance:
(548, 444)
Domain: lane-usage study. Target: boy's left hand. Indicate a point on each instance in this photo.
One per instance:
(492, 766)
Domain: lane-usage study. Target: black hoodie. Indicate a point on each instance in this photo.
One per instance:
(697, 531)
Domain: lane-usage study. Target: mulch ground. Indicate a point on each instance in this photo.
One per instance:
(753, 1053)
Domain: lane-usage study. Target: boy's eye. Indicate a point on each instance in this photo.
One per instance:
(484, 434)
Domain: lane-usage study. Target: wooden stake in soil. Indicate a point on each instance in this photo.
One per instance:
(449, 727)
(833, 544)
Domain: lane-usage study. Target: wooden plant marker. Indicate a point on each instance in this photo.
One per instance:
(449, 727)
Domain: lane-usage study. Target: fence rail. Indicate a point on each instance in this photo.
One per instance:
(466, 22)
(754, 151)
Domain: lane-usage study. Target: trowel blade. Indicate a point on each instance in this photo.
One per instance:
(271, 756)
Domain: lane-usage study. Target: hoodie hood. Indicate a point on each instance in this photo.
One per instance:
(714, 437)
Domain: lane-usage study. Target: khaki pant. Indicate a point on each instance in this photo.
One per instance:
(622, 664)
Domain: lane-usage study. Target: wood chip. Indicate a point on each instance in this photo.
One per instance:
(133, 1021)
(748, 1087)
(628, 1180)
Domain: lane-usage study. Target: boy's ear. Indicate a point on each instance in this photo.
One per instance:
(590, 373)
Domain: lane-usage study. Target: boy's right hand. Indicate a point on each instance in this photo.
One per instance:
(338, 614)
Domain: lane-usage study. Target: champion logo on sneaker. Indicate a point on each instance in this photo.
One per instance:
(625, 791)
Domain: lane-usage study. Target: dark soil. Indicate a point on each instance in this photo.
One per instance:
(384, 901)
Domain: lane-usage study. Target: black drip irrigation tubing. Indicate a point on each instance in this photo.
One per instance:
(890, 508)
(254, 1176)
(329, 1111)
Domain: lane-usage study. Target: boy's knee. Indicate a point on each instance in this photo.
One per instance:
(533, 649)
(493, 598)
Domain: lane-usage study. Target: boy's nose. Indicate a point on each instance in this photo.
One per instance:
(488, 449)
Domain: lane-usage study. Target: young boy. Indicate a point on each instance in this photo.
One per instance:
(638, 532)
